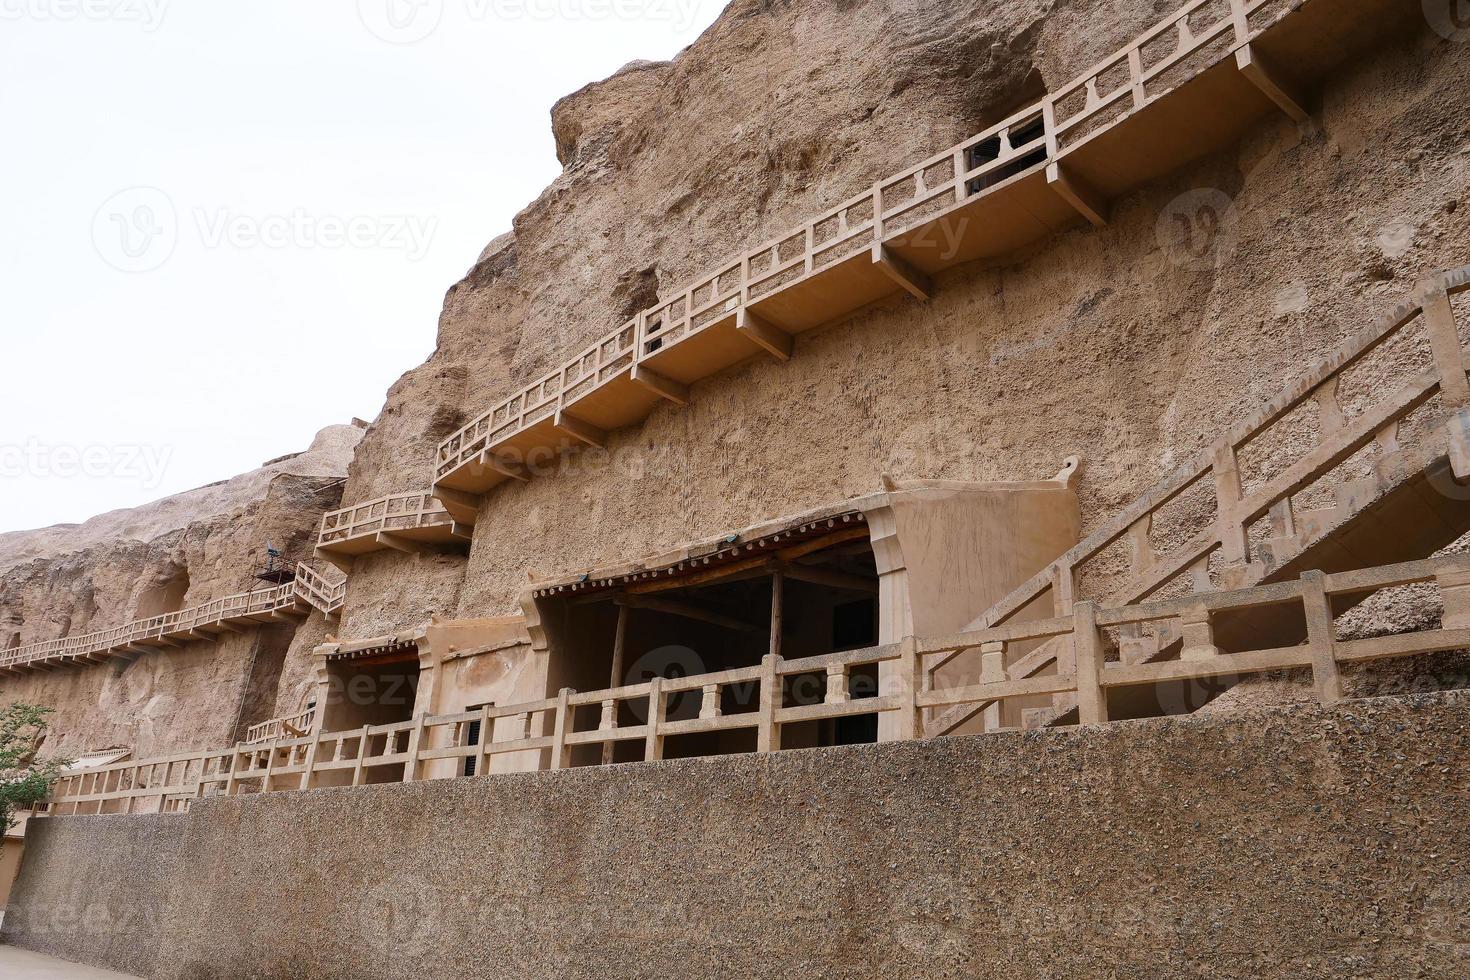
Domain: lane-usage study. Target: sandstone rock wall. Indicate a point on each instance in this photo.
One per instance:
(178, 552)
(1102, 343)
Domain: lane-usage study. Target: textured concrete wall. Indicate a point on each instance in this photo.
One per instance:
(1281, 842)
(96, 889)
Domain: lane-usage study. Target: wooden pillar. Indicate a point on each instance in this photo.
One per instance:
(620, 644)
(778, 588)
(1326, 678)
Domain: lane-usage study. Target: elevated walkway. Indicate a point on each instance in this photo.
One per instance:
(409, 522)
(290, 602)
(1189, 86)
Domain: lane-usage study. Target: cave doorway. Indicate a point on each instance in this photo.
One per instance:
(811, 598)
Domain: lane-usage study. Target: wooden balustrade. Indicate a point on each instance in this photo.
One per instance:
(756, 698)
(403, 522)
(288, 601)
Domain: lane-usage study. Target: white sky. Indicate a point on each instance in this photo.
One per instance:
(226, 225)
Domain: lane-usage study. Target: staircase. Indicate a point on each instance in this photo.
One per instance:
(1382, 431)
(327, 597)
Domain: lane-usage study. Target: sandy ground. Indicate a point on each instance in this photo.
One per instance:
(20, 964)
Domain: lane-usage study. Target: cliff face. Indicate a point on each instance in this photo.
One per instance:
(1101, 343)
(175, 553)
(1104, 343)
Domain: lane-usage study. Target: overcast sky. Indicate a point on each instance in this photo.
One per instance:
(226, 225)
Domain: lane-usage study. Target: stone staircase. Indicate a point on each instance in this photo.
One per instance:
(1391, 406)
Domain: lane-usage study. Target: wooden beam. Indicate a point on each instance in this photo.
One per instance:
(687, 611)
(1287, 95)
(1078, 193)
(343, 562)
(666, 388)
(505, 468)
(463, 507)
(827, 576)
(397, 543)
(759, 563)
(764, 334)
(579, 429)
(898, 269)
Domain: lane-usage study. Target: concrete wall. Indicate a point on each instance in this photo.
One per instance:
(97, 890)
(1281, 842)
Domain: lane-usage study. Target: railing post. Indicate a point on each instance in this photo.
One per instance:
(311, 752)
(1326, 678)
(608, 722)
(1226, 470)
(270, 765)
(1444, 342)
(911, 682)
(1241, 21)
(653, 743)
(363, 747)
(1049, 127)
(1454, 593)
(415, 744)
(232, 784)
(768, 734)
(993, 671)
(1092, 701)
(1199, 635)
(560, 755)
(836, 684)
(487, 737)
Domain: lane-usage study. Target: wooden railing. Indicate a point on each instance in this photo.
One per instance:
(1194, 37)
(198, 622)
(328, 597)
(293, 726)
(396, 512)
(1247, 530)
(549, 730)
